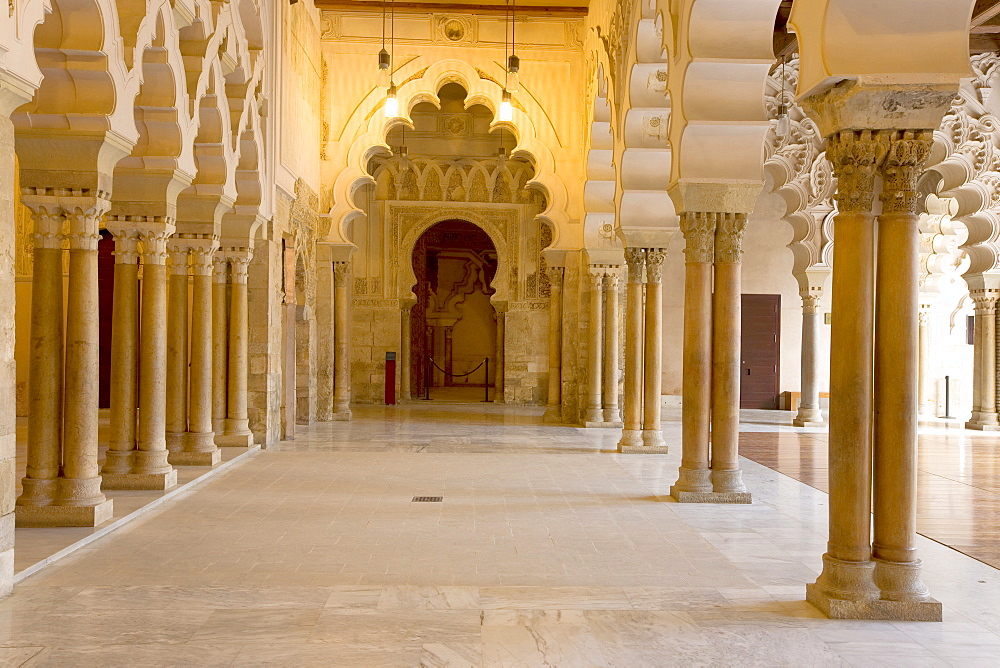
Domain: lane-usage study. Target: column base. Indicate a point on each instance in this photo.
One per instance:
(630, 437)
(147, 481)
(244, 440)
(643, 449)
(175, 440)
(552, 414)
(727, 481)
(710, 497)
(877, 609)
(38, 492)
(341, 416)
(982, 427)
(652, 438)
(63, 516)
(206, 458)
(599, 425)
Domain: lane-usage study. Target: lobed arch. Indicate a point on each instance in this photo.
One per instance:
(406, 245)
(599, 192)
(369, 128)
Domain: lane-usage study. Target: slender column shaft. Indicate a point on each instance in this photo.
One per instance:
(151, 456)
(449, 366)
(924, 405)
(611, 408)
(45, 362)
(897, 569)
(124, 354)
(405, 355)
(635, 259)
(177, 348)
(696, 385)
(984, 412)
(81, 484)
(553, 410)
(595, 412)
(237, 422)
(809, 413)
(653, 348)
(325, 347)
(342, 340)
(201, 434)
(847, 563)
(498, 392)
(726, 331)
(220, 343)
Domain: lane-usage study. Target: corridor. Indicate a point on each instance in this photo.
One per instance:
(547, 548)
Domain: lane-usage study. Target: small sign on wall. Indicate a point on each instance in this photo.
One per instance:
(827, 318)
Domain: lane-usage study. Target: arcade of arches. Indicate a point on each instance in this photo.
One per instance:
(664, 315)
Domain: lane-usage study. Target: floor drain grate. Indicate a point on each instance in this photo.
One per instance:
(427, 499)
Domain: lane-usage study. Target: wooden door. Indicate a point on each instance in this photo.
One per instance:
(760, 357)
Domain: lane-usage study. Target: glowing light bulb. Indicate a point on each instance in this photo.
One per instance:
(784, 126)
(506, 108)
(391, 103)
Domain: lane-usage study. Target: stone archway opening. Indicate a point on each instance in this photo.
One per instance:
(453, 325)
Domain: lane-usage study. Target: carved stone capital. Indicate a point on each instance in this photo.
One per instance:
(855, 155)
(341, 273)
(48, 227)
(220, 268)
(810, 303)
(202, 260)
(985, 301)
(154, 245)
(729, 237)
(635, 259)
(904, 162)
(126, 245)
(654, 264)
(611, 280)
(698, 228)
(239, 263)
(199, 247)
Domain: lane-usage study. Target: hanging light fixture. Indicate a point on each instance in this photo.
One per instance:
(385, 61)
(784, 124)
(506, 108)
(513, 62)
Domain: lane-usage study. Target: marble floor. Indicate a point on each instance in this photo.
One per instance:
(547, 549)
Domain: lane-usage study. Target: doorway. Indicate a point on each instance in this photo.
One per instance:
(761, 351)
(453, 324)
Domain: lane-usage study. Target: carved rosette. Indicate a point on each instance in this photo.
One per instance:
(635, 259)
(698, 229)
(729, 237)
(904, 162)
(654, 264)
(855, 155)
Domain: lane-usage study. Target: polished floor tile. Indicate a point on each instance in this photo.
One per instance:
(548, 549)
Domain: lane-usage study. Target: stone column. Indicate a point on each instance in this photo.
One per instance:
(220, 344)
(80, 486)
(727, 479)
(405, 354)
(449, 367)
(199, 442)
(553, 405)
(652, 434)
(237, 426)
(325, 350)
(45, 364)
(150, 468)
(595, 413)
(809, 414)
(897, 568)
(342, 341)
(498, 389)
(847, 565)
(631, 440)
(696, 386)
(984, 409)
(124, 353)
(612, 412)
(177, 348)
(925, 407)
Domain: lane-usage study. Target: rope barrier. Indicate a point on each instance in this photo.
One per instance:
(457, 375)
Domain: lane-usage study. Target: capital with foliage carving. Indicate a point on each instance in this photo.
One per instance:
(654, 264)
(698, 228)
(635, 259)
(904, 162)
(855, 156)
(729, 237)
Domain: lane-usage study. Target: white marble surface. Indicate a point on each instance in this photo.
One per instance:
(548, 549)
